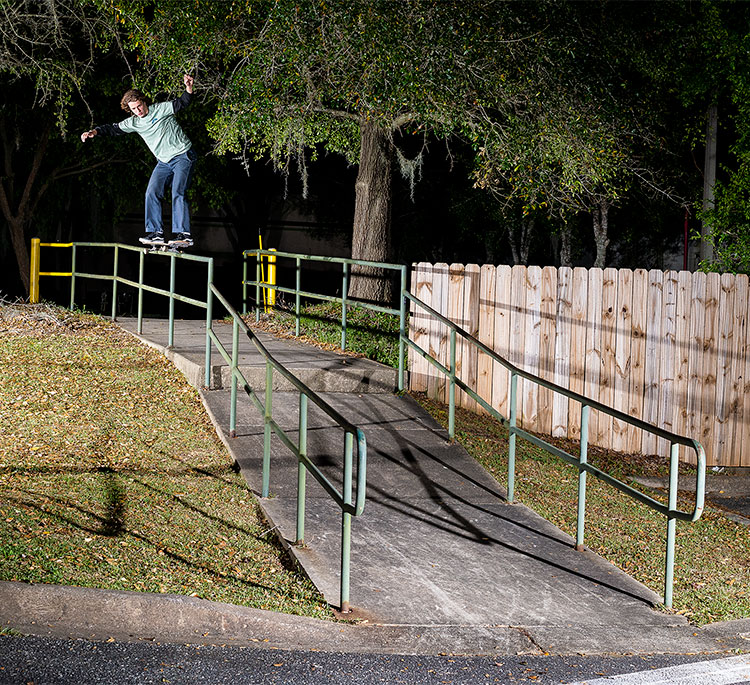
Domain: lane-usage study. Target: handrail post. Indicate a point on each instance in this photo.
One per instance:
(452, 387)
(267, 415)
(141, 269)
(298, 286)
(674, 465)
(257, 287)
(301, 470)
(402, 331)
(172, 270)
(271, 298)
(582, 461)
(512, 436)
(34, 275)
(244, 283)
(344, 291)
(346, 525)
(209, 322)
(233, 383)
(72, 275)
(114, 282)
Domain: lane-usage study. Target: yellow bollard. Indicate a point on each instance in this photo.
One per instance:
(271, 280)
(34, 276)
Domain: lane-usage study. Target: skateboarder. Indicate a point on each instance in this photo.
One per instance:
(157, 125)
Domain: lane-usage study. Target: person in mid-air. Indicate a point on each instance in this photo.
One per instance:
(157, 125)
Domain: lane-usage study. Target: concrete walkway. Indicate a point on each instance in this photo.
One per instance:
(440, 561)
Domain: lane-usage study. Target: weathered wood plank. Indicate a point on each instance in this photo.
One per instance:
(503, 308)
(668, 359)
(637, 357)
(563, 342)
(547, 346)
(471, 326)
(682, 350)
(737, 369)
(456, 315)
(438, 332)
(578, 335)
(518, 326)
(710, 364)
(623, 332)
(725, 346)
(487, 316)
(608, 355)
(594, 346)
(532, 346)
(421, 288)
(695, 346)
(653, 357)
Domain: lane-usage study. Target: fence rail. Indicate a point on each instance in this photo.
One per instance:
(669, 348)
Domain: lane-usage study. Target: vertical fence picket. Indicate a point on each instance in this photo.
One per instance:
(708, 430)
(440, 333)
(487, 317)
(500, 379)
(547, 332)
(622, 324)
(578, 333)
(695, 378)
(456, 314)
(653, 357)
(593, 359)
(603, 434)
(637, 356)
(562, 369)
(533, 321)
(682, 350)
(420, 287)
(668, 359)
(518, 323)
(471, 325)
(738, 369)
(725, 346)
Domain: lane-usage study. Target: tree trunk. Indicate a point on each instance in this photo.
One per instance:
(371, 239)
(520, 249)
(601, 228)
(566, 253)
(20, 249)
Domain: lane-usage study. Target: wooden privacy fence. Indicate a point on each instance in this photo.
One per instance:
(668, 347)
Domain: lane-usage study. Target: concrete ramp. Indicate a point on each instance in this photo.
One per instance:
(438, 548)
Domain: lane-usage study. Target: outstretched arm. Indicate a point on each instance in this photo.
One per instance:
(184, 99)
(103, 130)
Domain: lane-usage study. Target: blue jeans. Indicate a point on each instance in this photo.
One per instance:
(179, 172)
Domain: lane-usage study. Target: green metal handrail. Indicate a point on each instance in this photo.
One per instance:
(345, 302)
(670, 511)
(171, 293)
(349, 505)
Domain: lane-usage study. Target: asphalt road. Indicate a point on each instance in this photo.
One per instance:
(39, 661)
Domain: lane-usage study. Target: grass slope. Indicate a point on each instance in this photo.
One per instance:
(112, 476)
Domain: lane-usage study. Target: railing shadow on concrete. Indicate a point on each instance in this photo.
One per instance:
(581, 460)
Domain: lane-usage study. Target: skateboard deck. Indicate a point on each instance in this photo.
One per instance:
(164, 246)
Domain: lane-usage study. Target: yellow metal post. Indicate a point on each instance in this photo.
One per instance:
(262, 273)
(271, 280)
(34, 276)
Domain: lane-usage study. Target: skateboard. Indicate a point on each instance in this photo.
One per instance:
(164, 246)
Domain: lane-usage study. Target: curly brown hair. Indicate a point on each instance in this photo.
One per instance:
(133, 95)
